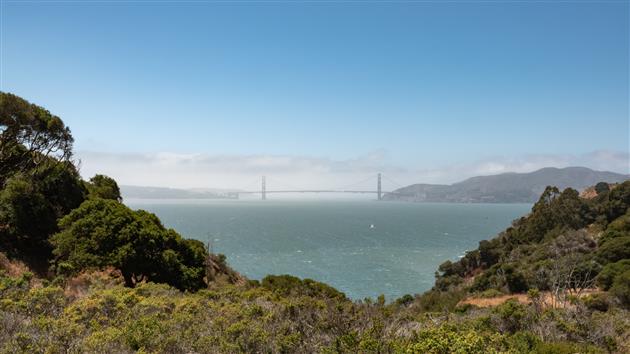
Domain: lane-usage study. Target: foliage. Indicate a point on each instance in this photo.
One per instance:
(45, 196)
(290, 285)
(102, 233)
(618, 201)
(621, 288)
(110, 318)
(437, 301)
(450, 339)
(607, 276)
(550, 249)
(602, 187)
(37, 179)
(511, 315)
(101, 186)
(615, 249)
(30, 135)
(599, 302)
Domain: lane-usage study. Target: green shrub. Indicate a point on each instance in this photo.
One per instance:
(450, 339)
(436, 301)
(290, 285)
(523, 342)
(597, 302)
(405, 300)
(515, 280)
(511, 315)
(615, 249)
(621, 288)
(606, 277)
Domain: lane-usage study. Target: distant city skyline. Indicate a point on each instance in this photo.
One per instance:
(216, 94)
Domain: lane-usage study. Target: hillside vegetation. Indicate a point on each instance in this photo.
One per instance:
(82, 273)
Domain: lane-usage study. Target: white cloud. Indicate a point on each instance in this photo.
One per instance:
(289, 172)
(233, 171)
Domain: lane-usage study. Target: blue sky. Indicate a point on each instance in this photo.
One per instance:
(428, 92)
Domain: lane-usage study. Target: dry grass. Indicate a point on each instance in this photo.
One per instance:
(12, 268)
(80, 285)
(546, 299)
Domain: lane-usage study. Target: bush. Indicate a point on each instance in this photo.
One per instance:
(450, 339)
(614, 250)
(404, 300)
(436, 301)
(515, 280)
(597, 302)
(290, 285)
(511, 315)
(523, 342)
(608, 274)
(621, 288)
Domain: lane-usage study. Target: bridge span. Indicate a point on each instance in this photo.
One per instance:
(263, 191)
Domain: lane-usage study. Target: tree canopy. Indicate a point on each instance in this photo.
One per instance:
(39, 183)
(104, 232)
(30, 135)
(31, 204)
(101, 186)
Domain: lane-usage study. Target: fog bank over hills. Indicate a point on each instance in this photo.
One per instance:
(141, 192)
(207, 170)
(506, 187)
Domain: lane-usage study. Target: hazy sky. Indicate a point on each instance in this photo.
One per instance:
(215, 94)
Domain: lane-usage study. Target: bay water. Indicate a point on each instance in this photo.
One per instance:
(363, 248)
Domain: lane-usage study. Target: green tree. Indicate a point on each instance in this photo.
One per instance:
(618, 201)
(489, 252)
(101, 186)
(104, 232)
(38, 182)
(30, 135)
(602, 187)
(554, 210)
(30, 205)
(514, 279)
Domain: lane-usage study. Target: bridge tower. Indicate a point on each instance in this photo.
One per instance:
(378, 187)
(264, 188)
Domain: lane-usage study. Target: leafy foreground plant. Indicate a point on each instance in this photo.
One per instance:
(96, 313)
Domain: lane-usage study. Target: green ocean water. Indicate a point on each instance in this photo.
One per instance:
(363, 248)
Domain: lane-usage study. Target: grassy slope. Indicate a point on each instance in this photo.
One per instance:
(106, 317)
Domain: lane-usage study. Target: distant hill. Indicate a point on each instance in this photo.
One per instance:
(506, 187)
(139, 192)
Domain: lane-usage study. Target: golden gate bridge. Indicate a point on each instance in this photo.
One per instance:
(378, 191)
